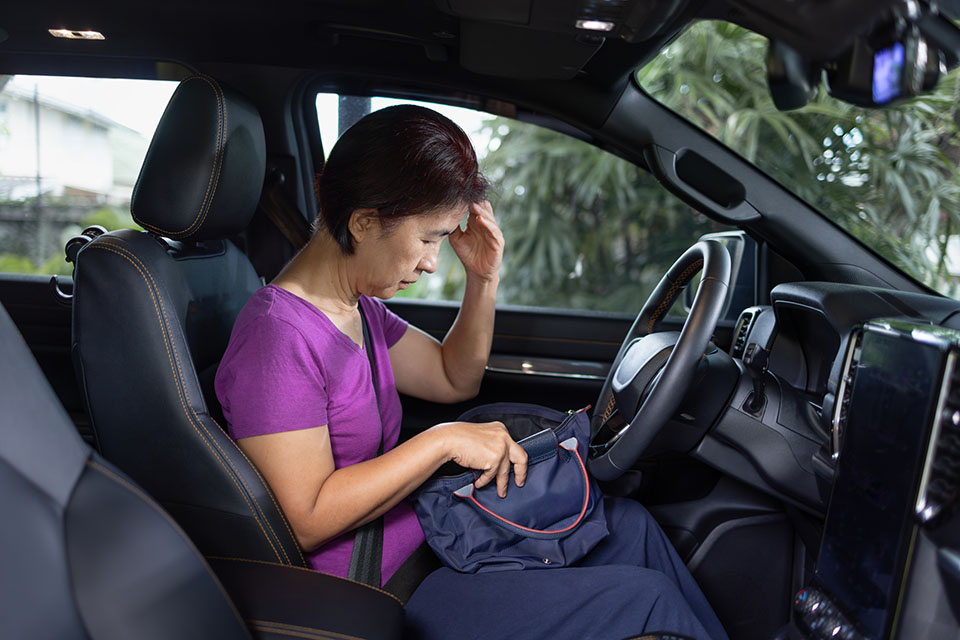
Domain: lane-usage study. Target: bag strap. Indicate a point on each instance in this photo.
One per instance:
(468, 491)
(367, 553)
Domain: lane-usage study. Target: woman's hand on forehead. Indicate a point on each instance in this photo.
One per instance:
(480, 246)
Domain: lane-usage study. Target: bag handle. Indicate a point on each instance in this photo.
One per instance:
(467, 493)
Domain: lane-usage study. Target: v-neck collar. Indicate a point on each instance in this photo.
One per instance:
(326, 321)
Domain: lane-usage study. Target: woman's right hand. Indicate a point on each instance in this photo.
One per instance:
(488, 448)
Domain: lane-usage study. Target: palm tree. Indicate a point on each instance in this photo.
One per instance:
(888, 176)
(586, 229)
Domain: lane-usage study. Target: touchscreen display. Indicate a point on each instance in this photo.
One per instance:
(887, 73)
(869, 523)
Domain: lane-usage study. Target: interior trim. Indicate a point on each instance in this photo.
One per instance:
(548, 367)
(718, 532)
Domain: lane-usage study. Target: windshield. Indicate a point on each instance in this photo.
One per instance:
(889, 176)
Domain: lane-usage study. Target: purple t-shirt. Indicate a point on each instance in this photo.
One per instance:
(288, 367)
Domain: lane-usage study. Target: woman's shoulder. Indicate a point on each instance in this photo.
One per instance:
(270, 323)
(267, 340)
(273, 307)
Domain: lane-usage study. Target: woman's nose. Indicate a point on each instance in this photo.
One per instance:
(429, 261)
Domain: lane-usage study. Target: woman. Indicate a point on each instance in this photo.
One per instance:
(296, 389)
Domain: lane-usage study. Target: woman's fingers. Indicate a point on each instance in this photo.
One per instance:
(480, 246)
(488, 448)
(483, 209)
(503, 477)
(485, 477)
(519, 459)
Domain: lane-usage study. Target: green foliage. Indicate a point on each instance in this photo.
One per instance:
(888, 176)
(583, 228)
(111, 219)
(13, 263)
(56, 264)
(108, 217)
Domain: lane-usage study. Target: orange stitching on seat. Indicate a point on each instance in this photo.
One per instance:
(679, 283)
(283, 517)
(298, 631)
(274, 564)
(221, 152)
(284, 632)
(214, 170)
(144, 273)
(153, 505)
(176, 357)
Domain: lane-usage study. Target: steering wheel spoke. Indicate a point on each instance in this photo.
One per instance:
(654, 370)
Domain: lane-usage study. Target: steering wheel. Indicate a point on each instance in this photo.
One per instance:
(654, 370)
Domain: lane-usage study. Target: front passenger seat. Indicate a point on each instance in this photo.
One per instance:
(152, 314)
(86, 554)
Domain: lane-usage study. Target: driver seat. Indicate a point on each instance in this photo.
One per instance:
(152, 314)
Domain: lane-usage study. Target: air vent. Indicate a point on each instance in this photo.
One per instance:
(847, 374)
(744, 324)
(940, 481)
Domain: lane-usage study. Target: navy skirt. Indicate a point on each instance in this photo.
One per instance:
(632, 583)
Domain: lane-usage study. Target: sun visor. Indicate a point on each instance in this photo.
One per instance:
(517, 52)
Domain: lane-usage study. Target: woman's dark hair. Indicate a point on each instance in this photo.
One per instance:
(402, 161)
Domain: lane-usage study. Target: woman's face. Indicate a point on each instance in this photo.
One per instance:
(391, 260)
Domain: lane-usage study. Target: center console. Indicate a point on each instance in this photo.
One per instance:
(897, 438)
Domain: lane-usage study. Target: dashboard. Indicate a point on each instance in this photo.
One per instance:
(861, 427)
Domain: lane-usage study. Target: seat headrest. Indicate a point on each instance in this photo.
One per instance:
(203, 172)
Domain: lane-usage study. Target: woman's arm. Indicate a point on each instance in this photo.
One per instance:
(452, 371)
(322, 502)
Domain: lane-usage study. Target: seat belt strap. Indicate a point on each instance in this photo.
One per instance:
(284, 215)
(367, 555)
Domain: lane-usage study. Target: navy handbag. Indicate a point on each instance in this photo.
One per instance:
(554, 520)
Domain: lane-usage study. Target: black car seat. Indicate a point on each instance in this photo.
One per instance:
(85, 553)
(152, 314)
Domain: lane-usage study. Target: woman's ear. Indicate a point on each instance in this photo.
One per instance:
(362, 223)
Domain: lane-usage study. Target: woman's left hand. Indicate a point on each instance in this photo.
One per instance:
(480, 247)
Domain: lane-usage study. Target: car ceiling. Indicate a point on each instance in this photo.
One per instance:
(529, 40)
(504, 56)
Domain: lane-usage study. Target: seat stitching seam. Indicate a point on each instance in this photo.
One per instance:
(274, 564)
(313, 631)
(150, 503)
(283, 517)
(205, 205)
(299, 634)
(259, 509)
(221, 151)
(112, 248)
(668, 300)
(215, 169)
(258, 513)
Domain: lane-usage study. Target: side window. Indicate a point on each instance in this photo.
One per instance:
(584, 228)
(70, 153)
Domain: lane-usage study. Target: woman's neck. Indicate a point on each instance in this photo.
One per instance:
(320, 273)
